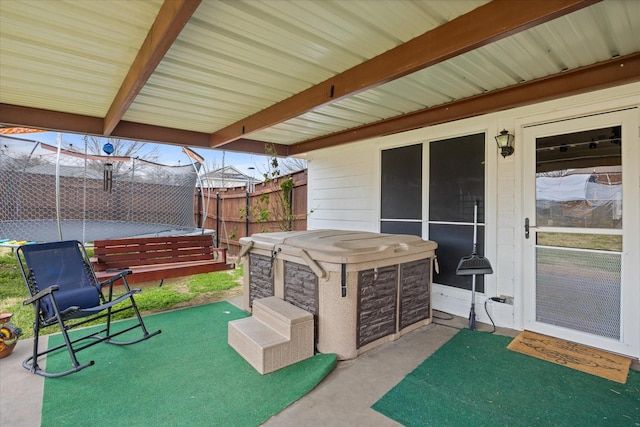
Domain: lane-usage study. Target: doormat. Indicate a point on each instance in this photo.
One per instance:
(572, 355)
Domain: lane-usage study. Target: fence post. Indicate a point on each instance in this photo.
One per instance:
(291, 217)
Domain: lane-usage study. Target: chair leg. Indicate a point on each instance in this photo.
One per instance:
(33, 366)
(135, 309)
(145, 333)
(31, 362)
(69, 345)
(134, 306)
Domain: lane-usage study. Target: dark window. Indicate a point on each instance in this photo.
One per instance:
(456, 178)
(456, 181)
(401, 227)
(454, 242)
(401, 190)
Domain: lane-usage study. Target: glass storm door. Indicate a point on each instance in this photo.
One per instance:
(576, 283)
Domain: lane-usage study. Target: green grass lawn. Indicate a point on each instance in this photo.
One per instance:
(173, 293)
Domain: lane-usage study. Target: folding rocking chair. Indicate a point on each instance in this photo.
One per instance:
(64, 290)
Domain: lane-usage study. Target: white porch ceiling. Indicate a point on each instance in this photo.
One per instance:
(236, 74)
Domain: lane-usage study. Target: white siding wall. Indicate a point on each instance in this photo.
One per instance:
(344, 191)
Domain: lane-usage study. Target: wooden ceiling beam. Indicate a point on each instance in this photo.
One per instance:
(602, 75)
(55, 121)
(252, 146)
(486, 24)
(171, 19)
(49, 120)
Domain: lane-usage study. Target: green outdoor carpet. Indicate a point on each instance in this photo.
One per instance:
(187, 375)
(473, 380)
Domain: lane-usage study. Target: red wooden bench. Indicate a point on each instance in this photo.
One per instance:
(158, 258)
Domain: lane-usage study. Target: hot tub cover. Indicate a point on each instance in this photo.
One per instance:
(342, 246)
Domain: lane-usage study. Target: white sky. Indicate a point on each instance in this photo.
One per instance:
(172, 154)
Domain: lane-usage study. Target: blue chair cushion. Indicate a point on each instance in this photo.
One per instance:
(83, 297)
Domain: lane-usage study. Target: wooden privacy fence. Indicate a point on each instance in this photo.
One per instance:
(226, 210)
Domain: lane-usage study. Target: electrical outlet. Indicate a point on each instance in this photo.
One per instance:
(507, 299)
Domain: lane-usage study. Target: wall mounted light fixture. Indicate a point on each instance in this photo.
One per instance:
(505, 143)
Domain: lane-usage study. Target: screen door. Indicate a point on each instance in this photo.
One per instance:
(573, 228)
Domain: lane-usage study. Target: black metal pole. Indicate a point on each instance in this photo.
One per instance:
(217, 220)
(246, 216)
(200, 207)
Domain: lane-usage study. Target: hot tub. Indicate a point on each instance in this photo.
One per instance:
(363, 288)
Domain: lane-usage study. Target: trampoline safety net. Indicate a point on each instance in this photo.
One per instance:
(146, 199)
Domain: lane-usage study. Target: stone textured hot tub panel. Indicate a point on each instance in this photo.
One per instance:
(363, 289)
(301, 286)
(415, 292)
(377, 303)
(260, 278)
(301, 290)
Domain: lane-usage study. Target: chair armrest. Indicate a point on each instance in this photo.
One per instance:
(110, 281)
(41, 294)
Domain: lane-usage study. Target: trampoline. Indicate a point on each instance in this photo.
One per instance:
(89, 230)
(53, 193)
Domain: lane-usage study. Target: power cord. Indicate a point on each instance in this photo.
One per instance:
(497, 299)
(443, 318)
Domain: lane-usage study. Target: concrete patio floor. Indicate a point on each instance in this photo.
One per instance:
(343, 398)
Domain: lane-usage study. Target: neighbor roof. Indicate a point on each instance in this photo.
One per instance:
(301, 75)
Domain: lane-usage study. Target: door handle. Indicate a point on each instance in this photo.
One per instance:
(527, 227)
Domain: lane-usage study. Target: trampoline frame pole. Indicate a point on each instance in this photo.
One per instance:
(217, 220)
(58, 186)
(246, 219)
